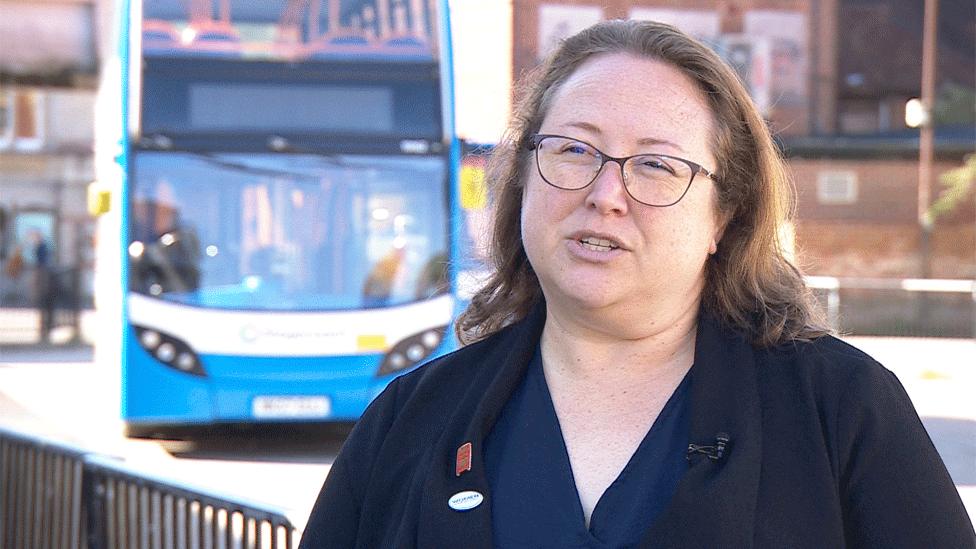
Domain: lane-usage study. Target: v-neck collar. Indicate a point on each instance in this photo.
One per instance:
(630, 468)
(634, 465)
(714, 502)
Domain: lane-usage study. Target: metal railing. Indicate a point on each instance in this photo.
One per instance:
(40, 493)
(898, 306)
(55, 496)
(142, 511)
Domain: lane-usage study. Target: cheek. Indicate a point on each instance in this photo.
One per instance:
(533, 212)
(686, 229)
(541, 214)
(535, 202)
(700, 227)
(547, 202)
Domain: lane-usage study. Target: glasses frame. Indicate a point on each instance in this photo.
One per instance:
(696, 168)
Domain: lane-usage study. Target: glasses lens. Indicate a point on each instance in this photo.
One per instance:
(657, 180)
(567, 163)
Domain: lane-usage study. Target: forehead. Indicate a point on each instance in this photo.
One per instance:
(632, 97)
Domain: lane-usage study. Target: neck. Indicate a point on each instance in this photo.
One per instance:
(614, 350)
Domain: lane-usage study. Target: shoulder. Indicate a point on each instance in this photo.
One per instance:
(478, 364)
(893, 486)
(415, 408)
(426, 397)
(832, 382)
(825, 362)
(825, 350)
(458, 370)
(385, 449)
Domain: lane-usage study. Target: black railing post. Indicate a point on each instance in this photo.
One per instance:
(93, 494)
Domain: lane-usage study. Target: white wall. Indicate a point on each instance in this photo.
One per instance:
(482, 35)
(70, 119)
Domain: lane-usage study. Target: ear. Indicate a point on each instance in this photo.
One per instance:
(722, 221)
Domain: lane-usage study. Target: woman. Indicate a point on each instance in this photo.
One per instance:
(645, 368)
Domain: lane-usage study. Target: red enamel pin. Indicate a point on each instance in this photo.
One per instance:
(463, 462)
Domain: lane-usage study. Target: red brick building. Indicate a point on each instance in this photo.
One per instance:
(769, 39)
(857, 216)
(832, 78)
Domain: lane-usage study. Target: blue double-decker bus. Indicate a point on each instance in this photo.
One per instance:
(290, 224)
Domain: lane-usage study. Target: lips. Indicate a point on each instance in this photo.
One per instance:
(597, 242)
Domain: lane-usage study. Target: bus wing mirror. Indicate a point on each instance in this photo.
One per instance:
(99, 199)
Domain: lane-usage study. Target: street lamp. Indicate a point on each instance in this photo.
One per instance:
(921, 111)
(916, 115)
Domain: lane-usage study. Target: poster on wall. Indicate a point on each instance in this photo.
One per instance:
(751, 58)
(702, 24)
(786, 32)
(557, 21)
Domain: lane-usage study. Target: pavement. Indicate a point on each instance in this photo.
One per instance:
(14, 413)
(20, 330)
(34, 353)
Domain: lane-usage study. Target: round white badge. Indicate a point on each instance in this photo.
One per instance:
(464, 501)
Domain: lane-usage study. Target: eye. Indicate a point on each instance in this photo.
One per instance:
(653, 163)
(576, 148)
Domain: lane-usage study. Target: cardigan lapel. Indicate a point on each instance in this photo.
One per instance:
(501, 371)
(714, 503)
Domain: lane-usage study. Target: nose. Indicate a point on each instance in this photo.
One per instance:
(608, 194)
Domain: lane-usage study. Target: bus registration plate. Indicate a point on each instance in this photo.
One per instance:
(290, 407)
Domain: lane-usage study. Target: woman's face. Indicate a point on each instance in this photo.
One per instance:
(597, 248)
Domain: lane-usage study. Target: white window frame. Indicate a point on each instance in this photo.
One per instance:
(837, 187)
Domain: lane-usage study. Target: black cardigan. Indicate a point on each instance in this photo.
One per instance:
(825, 451)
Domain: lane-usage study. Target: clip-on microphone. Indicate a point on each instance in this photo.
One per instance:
(713, 453)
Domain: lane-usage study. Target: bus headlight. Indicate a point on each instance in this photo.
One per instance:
(169, 350)
(411, 351)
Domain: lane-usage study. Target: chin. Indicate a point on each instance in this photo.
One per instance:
(591, 299)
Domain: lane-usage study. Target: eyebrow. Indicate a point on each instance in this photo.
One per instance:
(642, 141)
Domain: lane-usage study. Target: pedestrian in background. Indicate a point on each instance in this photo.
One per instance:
(44, 283)
(645, 367)
(15, 263)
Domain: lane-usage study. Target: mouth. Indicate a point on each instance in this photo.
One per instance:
(598, 243)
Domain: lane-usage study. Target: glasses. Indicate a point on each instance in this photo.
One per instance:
(655, 180)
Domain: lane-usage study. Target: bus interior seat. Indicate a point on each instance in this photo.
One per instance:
(406, 45)
(345, 42)
(213, 37)
(159, 36)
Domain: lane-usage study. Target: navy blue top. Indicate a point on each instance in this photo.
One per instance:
(533, 496)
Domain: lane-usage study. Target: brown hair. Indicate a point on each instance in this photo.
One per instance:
(749, 284)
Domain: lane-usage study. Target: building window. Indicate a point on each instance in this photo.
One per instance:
(21, 119)
(28, 122)
(837, 187)
(859, 117)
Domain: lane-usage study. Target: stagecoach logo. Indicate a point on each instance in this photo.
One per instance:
(250, 334)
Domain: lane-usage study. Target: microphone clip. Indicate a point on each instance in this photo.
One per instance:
(713, 453)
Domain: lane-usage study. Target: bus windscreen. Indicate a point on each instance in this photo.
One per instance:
(288, 232)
